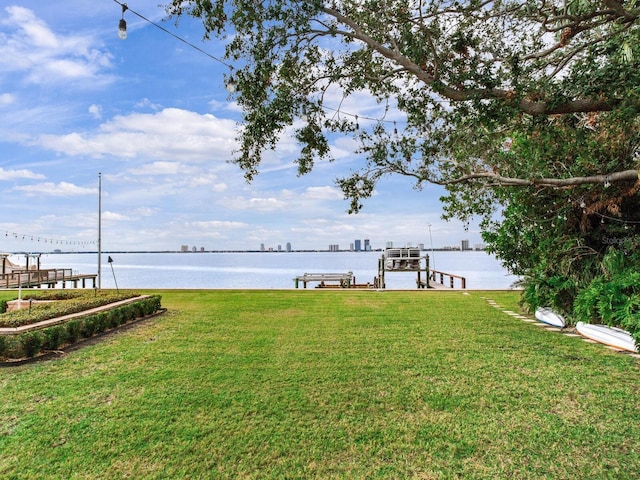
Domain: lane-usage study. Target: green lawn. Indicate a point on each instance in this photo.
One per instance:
(326, 384)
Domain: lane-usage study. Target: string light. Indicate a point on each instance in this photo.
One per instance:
(231, 84)
(603, 217)
(122, 26)
(28, 237)
(125, 7)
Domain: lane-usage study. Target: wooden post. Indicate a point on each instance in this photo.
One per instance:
(426, 272)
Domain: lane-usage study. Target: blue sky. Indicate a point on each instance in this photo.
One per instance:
(152, 115)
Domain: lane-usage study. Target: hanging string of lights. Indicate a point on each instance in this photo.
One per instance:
(230, 84)
(42, 239)
(122, 32)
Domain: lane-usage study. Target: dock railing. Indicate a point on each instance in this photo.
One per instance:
(29, 278)
(439, 277)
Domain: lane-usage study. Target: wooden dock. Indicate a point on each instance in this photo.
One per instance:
(48, 277)
(437, 280)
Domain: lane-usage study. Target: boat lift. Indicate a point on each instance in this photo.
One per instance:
(403, 260)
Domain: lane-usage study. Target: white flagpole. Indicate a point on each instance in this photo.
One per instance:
(99, 230)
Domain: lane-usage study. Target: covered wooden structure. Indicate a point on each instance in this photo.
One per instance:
(405, 259)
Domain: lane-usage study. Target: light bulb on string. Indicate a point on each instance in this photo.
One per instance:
(122, 26)
(231, 84)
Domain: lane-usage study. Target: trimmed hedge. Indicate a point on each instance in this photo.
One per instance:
(64, 305)
(30, 344)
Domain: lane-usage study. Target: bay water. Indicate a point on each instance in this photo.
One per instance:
(267, 270)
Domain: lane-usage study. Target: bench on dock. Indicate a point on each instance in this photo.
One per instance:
(344, 280)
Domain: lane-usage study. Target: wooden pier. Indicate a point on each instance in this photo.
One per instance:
(47, 277)
(437, 280)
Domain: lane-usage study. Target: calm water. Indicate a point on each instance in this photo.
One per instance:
(266, 270)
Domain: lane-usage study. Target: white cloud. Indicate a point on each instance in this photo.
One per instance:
(162, 168)
(218, 225)
(146, 211)
(96, 111)
(323, 193)
(146, 103)
(113, 216)
(15, 174)
(165, 135)
(7, 99)
(46, 56)
(260, 204)
(224, 106)
(62, 189)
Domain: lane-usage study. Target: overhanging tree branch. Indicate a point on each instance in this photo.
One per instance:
(499, 180)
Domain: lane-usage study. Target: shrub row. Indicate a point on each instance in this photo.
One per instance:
(31, 343)
(65, 306)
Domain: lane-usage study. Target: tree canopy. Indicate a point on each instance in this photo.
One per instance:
(529, 108)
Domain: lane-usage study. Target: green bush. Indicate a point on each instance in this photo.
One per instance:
(102, 323)
(613, 297)
(4, 304)
(53, 337)
(88, 327)
(31, 343)
(72, 333)
(78, 302)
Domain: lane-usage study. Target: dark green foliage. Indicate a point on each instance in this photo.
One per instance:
(89, 327)
(52, 338)
(66, 305)
(31, 343)
(3, 306)
(73, 331)
(55, 294)
(613, 296)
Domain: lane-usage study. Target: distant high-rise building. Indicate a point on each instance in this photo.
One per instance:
(184, 248)
(389, 244)
(334, 248)
(464, 245)
(279, 248)
(288, 246)
(262, 247)
(367, 246)
(357, 246)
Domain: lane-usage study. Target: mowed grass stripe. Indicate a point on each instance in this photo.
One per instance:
(325, 384)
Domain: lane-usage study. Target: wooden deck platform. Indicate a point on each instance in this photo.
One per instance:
(48, 277)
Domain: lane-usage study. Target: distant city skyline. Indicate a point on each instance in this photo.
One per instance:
(356, 246)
